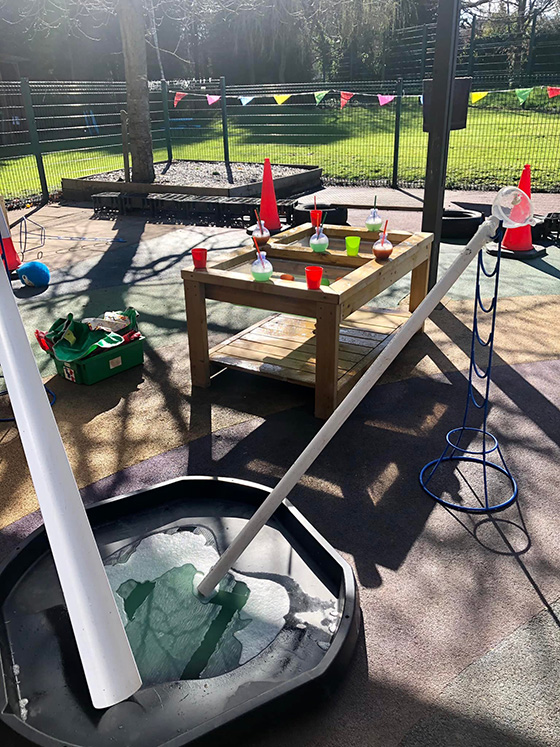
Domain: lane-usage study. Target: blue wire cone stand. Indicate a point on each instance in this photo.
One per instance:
(454, 451)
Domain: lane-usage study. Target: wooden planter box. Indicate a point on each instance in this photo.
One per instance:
(79, 190)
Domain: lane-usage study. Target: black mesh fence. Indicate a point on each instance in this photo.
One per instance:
(195, 123)
(79, 131)
(489, 48)
(78, 126)
(18, 170)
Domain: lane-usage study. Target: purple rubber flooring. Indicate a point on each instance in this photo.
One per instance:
(438, 590)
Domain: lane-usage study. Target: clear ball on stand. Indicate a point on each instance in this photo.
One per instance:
(374, 221)
(261, 269)
(261, 233)
(319, 242)
(513, 207)
(382, 249)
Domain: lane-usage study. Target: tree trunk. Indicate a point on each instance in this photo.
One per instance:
(133, 33)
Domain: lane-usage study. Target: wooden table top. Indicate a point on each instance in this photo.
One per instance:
(352, 278)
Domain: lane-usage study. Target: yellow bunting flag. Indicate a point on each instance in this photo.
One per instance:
(476, 96)
(282, 98)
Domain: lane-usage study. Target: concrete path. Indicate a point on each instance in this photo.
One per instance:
(410, 199)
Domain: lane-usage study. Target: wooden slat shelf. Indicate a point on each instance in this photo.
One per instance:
(283, 347)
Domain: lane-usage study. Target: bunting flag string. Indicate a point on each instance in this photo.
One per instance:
(478, 95)
(383, 99)
(523, 94)
(345, 97)
(319, 96)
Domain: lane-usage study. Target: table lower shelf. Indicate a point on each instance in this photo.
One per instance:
(283, 347)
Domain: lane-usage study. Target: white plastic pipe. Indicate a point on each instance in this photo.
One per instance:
(346, 407)
(108, 662)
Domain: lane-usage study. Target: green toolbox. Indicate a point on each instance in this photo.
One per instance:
(96, 348)
(102, 365)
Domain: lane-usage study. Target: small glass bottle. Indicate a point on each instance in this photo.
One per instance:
(382, 249)
(374, 221)
(319, 242)
(261, 270)
(261, 234)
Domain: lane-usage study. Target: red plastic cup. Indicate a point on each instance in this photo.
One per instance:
(313, 276)
(316, 216)
(199, 255)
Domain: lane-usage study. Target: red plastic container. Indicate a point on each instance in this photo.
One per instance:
(316, 216)
(313, 276)
(199, 255)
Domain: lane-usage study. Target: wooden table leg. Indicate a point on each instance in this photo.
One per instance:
(326, 367)
(197, 330)
(419, 286)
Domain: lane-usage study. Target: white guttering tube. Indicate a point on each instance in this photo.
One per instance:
(108, 662)
(345, 409)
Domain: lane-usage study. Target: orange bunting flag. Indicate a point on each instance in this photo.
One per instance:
(553, 91)
(476, 96)
(345, 97)
(178, 97)
(281, 98)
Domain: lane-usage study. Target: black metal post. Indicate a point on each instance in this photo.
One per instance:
(125, 145)
(472, 45)
(166, 123)
(34, 137)
(532, 41)
(445, 60)
(225, 134)
(395, 179)
(424, 51)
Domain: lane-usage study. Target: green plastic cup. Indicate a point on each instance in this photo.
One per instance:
(352, 245)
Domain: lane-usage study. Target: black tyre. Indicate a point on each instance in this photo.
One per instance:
(337, 216)
(460, 224)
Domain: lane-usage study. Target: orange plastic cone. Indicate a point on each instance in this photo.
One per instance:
(520, 239)
(11, 254)
(269, 208)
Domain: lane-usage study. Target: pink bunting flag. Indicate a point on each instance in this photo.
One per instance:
(384, 99)
(345, 97)
(553, 91)
(178, 97)
(212, 99)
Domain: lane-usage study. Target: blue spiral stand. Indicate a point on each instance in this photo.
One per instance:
(453, 451)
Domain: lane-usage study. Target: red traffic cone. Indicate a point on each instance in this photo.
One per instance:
(518, 242)
(11, 254)
(269, 208)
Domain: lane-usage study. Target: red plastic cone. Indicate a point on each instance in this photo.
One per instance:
(520, 239)
(11, 254)
(269, 208)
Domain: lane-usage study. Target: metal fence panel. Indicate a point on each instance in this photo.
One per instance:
(18, 170)
(79, 131)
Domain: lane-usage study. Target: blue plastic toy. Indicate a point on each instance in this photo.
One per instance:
(34, 274)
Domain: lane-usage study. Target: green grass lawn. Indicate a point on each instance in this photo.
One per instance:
(353, 144)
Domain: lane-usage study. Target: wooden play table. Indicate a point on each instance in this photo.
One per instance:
(321, 338)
